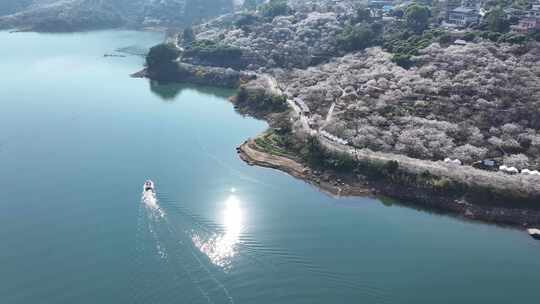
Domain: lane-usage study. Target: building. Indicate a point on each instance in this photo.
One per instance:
(530, 21)
(471, 4)
(535, 10)
(527, 25)
(451, 5)
(379, 4)
(463, 16)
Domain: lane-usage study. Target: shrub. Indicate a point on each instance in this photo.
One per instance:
(469, 36)
(445, 39)
(340, 162)
(513, 38)
(403, 60)
(405, 44)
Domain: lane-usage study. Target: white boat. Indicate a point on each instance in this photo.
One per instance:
(149, 186)
(534, 233)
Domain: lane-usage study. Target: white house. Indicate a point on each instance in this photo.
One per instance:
(463, 16)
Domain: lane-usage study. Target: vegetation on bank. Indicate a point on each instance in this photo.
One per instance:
(273, 143)
(469, 102)
(281, 143)
(411, 32)
(160, 62)
(208, 52)
(257, 100)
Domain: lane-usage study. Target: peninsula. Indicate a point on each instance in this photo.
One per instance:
(397, 101)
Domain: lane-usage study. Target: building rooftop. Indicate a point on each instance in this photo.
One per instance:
(462, 9)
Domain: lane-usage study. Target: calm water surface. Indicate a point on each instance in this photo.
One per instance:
(78, 137)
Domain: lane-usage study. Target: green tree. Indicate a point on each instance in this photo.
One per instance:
(535, 35)
(363, 15)
(188, 36)
(161, 54)
(312, 152)
(354, 38)
(275, 8)
(160, 62)
(497, 21)
(417, 17)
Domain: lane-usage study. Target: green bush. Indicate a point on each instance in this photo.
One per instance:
(469, 36)
(493, 36)
(445, 39)
(340, 161)
(405, 44)
(403, 60)
(513, 38)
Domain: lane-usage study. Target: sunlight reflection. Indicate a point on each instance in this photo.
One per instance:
(221, 248)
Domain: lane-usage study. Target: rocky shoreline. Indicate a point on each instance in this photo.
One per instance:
(343, 185)
(249, 153)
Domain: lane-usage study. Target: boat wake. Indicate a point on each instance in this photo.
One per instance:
(188, 254)
(166, 257)
(149, 200)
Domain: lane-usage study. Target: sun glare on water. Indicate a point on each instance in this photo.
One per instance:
(220, 249)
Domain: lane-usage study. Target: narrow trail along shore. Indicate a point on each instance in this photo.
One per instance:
(254, 157)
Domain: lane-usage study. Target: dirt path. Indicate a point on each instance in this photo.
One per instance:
(249, 153)
(526, 184)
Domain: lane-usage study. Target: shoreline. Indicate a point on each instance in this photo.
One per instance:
(348, 186)
(468, 193)
(351, 185)
(253, 157)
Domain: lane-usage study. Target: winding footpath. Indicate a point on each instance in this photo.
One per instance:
(528, 185)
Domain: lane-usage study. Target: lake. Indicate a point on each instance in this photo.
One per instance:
(78, 138)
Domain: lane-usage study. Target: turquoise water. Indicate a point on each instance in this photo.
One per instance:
(78, 137)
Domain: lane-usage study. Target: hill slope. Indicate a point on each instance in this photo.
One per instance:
(75, 15)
